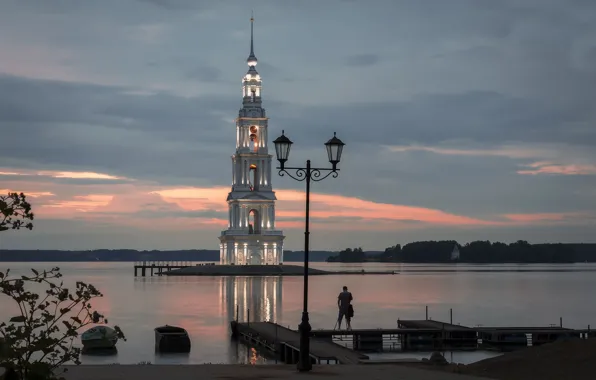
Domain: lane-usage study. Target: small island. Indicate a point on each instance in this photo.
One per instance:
(261, 270)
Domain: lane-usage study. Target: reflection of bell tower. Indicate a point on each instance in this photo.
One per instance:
(251, 237)
(261, 295)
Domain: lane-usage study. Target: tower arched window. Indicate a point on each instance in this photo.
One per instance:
(253, 177)
(254, 138)
(254, 222)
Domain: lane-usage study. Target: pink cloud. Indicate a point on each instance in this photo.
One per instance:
(80, 175)
(31, 194)
(342, 206)
(511, 151)
(61, 174)
(291, 205)
(148, 206)
(558, 169)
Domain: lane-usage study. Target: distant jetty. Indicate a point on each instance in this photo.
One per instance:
(261, 270)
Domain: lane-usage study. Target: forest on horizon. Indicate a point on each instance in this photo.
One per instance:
(475, 252)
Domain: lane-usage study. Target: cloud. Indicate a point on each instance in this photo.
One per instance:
(62, 174)
(82, 203)
(550, 217)
(32, 194)
(520, 152)
(149, 34)
(558, 169)
(362, 60)
(506, 151)
(175, 5)
(205, 74)
(79, 175)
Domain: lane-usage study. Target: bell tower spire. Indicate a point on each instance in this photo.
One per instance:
(252, 59)
(252, 237)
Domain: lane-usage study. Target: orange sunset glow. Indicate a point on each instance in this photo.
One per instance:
(123, 203)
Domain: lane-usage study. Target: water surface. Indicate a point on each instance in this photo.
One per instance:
(488, 295)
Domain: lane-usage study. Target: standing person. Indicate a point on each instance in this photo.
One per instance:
(344, 304)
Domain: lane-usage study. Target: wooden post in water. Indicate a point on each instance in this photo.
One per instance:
(426, 314)
(561, 321)
(451, 315)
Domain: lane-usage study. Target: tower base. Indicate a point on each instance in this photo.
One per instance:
(251, 249)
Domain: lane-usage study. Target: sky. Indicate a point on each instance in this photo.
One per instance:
(463, 119)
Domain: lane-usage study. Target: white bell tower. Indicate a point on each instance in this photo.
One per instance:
(251, 237)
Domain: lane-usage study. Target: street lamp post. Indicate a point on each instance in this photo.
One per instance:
(282, 149)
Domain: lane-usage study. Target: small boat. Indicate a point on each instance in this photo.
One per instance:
(171, 339)
(99, 337)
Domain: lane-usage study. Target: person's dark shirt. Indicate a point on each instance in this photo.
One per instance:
(344, 299)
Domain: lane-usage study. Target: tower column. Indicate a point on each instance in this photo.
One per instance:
(246, 212)
(262, 173)
(238, 218)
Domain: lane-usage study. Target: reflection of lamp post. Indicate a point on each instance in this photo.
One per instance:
(282, 149)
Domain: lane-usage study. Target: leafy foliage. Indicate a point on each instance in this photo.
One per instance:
(349, 255)
(15, 212)
(38, 341)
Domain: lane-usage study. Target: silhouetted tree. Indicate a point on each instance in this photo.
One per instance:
(15, 212)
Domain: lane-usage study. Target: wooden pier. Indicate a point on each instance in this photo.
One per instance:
(408, 335)
(285, 343)
(160, 267)
(343, 346)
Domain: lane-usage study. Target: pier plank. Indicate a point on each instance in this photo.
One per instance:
(320, 348)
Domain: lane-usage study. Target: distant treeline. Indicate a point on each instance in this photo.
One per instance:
(133, 255)
(475, 252)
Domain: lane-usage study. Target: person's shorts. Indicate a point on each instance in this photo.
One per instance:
(343, 313)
